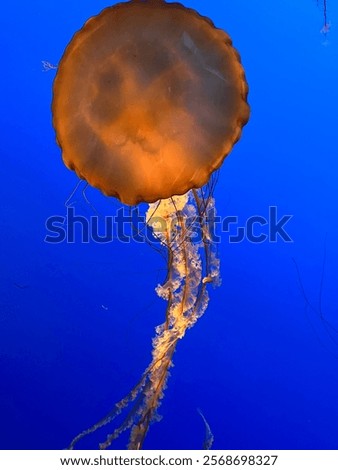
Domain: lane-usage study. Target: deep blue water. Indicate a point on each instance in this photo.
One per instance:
(76, 320)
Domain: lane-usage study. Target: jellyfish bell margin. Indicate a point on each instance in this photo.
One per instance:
(148, 100)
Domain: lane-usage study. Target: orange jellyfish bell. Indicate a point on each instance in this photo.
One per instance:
(148, 100)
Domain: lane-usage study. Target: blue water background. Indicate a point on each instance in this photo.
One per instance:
(76, 320)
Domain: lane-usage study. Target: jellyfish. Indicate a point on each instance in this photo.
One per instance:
(148, 100)
(327, 24)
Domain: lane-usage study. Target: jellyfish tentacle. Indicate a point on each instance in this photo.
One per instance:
(118, 408)
(209, 437)
(185, 291)
(187, 301)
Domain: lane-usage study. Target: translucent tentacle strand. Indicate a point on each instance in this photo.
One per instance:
(183, 225)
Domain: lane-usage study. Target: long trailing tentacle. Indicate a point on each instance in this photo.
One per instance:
(191, 267)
